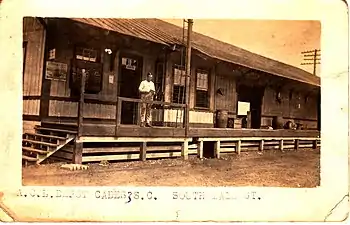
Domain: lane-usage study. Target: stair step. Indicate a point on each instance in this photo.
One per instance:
(29, 149)
(46, 136)
(55, 130)
(40, 143)
(29, 158)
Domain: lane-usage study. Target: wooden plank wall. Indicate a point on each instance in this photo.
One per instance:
(198, 117)
(225, 80)
(288, 108)
(34, 35)
(28, 126)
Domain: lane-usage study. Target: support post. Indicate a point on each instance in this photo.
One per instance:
(78, 146)
(296, 144)
(249, 120)
(188, 73)
(217, 149)
(281, 145)
(238, 146)
(314, 144)
(261, 146)
(184, 150)
(143, 151)
(200, 149)
(118, 115)
(78, 152)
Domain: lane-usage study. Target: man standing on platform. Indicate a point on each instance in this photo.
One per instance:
(147, 91)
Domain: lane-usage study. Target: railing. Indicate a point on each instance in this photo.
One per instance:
(160, 107)
(129, 108)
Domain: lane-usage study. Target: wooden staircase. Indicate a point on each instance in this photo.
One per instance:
(38, 146)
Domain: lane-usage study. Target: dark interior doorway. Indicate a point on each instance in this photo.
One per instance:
(129, 79)
(253, 95)
(208, 149)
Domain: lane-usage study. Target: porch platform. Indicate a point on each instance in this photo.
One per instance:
(99, 130)
(100, 142)
(132, 131)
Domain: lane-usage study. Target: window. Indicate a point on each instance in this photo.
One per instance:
(179, 92)
(129, 64)
(86, 54)
(202, 95)
(159, 79)
(89, 60)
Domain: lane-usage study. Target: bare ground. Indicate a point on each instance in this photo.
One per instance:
(269, 168)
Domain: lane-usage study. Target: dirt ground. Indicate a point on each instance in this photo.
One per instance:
(269, 168)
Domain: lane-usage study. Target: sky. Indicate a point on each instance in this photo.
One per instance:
(281, 40)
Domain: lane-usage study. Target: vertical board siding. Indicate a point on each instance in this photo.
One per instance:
(288, 108)
(59, 88)
(28, 126)
(195, 116)
(201, 117)
(170, 115)
(70, 109)
(34, 34)
(99, 111)
(63, 108)
(228, 100)
(31, 107)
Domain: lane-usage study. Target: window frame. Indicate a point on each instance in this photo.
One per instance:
(78, 64)
(207, 72)
(179, 67)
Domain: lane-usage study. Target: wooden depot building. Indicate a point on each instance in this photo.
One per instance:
(93, 115)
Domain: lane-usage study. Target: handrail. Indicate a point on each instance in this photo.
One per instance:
(138, 101)
(117, 101)
(151, 102)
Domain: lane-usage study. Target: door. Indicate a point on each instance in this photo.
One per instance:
(129, 80)
(254, 96)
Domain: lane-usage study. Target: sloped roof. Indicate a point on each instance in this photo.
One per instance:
(162, 32)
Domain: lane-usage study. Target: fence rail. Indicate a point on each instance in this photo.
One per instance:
(129, 107)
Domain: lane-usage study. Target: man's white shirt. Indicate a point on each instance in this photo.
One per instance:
(146, 86)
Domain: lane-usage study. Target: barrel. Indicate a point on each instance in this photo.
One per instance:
(277, 122)
(221, 118)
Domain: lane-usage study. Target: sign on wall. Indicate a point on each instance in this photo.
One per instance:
(129, 64)
(56, 71)
(243, 108)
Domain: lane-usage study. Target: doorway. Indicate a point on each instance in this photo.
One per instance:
(130, 74)
(253, 95)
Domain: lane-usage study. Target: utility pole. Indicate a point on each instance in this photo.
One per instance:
(314, 56)
(188, 73)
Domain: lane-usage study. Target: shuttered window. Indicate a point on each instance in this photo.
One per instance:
(202, 87)
(179, 92)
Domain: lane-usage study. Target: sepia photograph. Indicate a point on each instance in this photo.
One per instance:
(124, 114)
(153, 102)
